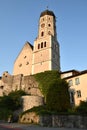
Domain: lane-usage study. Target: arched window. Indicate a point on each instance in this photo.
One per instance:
(49, 33)
(38, 46)
(27, 63)
(1, 87)
(20, 65)
(44, 44)
(49, 25)
(41, 44)
(42, 33)
(25, 57)
(49, 18)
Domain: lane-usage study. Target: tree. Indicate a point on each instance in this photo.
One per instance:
(12, 100)
(58, 96)
(9, 103)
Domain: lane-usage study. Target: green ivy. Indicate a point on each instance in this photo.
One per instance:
(45, 78)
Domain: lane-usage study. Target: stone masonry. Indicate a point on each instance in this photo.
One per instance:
(10, 83)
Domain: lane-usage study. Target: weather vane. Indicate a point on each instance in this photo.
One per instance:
(47, 7)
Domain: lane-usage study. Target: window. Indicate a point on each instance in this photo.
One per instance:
(44, 44)
(49, 33)
(27, 63)
(1, 87)
(77, 81)
(42, 33)
(20, 65)
(29, 88)
(70, 83)
(78, 93)
(49, 25)
(71, 97)
(38, 46)
(25, 57)
(42, 25)
(41, 44)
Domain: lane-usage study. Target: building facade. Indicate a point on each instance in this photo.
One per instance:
(23, 63)
(77, 85)
(45, 54)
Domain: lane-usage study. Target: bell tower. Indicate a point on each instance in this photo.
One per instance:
(46, 55)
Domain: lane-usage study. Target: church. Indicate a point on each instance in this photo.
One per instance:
(44, 54)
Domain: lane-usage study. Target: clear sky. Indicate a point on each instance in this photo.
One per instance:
(19, 23)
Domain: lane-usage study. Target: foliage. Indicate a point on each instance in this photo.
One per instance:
(39, 110)
(12, 100)
(54, 89)
(82, 108)
(45, 79)
(4, 113)
(58, 96)
(43, 110)
(10, 103)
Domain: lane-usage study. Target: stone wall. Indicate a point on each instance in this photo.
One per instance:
(31, 117)
(28, 83)
(16, 84)
(10, 83)
(31, 101)
(67, 121)
(30, 86)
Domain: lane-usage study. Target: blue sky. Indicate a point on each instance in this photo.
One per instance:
(19, 23)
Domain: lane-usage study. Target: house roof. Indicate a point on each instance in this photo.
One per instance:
(29, 44)
(76, 71)
(78, 74)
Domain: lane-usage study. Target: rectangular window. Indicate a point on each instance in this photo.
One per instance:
(78, 93)
(71, 97)
(77, 81)
(70, 83)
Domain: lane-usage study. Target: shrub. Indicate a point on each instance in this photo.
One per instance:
(9, 103)
(82, 108)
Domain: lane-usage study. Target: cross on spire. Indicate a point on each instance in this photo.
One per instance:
(47, 7)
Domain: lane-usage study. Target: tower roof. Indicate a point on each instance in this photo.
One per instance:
(47, 12)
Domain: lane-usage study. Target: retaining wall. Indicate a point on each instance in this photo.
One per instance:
(66, 121)
(31, 101)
